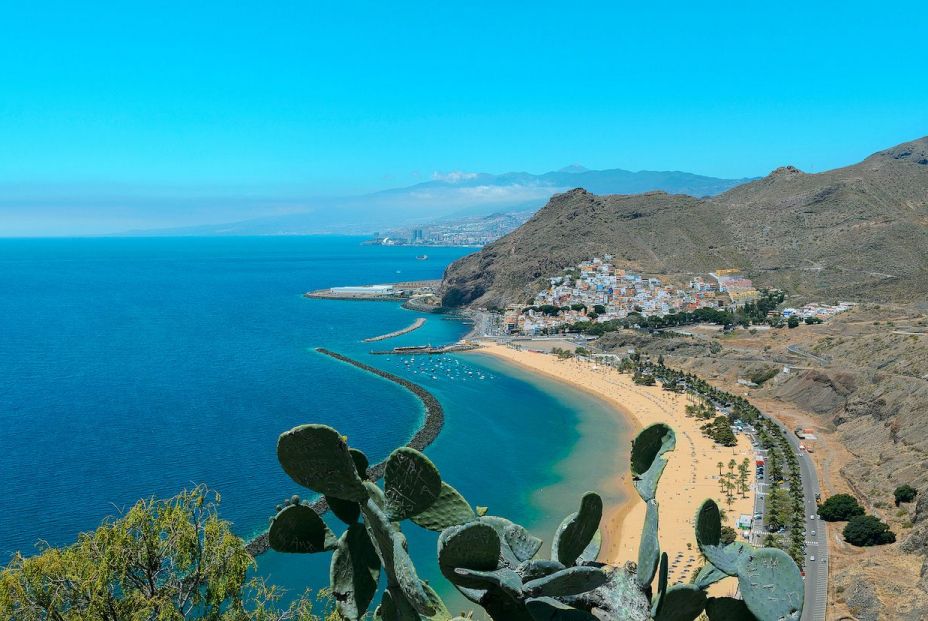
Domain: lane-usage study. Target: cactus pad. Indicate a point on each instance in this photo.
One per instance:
(347, 511)
(550, 609)
(518, 544)
(470, 546)
(569, 581)
(504, 579)
(682, 602)
(449, 509)
(708, 575)
(411, 483)
(647, 463)
(316, 456)
(577, 530)
(728, 609)
(299, 529)
(361, 462)
(534, 569)
(771, 585)
(353, 573)
(727, 558)
(649, 548)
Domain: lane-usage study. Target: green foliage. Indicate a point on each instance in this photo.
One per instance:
(729, 535)
(778, 510)
(643, 379)
(719, 430)
(839, 508)
(792, 322)
(171, 559)
(760, 376)
(868, 530)
(905, 493)
(489, 559)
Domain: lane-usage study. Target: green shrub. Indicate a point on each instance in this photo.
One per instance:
(839, 508)
(868, 530)
(905, 493)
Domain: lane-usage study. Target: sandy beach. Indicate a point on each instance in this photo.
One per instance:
(692, 472)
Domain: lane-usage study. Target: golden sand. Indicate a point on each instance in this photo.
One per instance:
(692, 472)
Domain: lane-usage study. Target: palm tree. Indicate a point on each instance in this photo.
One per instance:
(720, 465)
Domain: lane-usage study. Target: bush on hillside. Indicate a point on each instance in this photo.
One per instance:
(868, 530)
(163, 559)
(839, 508)
(905, 493)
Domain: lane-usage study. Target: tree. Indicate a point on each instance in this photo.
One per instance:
(743, 469)
(792, 322)
(905, 493)
(868, 530)
(720, 465)
(839, 508)
(729, 535)
(163, 559)
(777, 507)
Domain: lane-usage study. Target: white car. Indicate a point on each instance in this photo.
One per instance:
(812, 558)
(813, 533)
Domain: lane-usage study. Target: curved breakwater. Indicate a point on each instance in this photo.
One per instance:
(413, 326)
(431, 426)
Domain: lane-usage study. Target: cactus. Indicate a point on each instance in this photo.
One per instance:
(491, 560)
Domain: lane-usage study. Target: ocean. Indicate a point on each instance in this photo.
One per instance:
(136, 367)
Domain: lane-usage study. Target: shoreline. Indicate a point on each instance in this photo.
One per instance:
(686, 482)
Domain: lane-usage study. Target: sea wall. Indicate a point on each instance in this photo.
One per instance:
(431, 426)
(414, 326)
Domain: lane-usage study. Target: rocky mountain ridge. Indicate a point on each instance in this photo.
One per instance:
(856, 233)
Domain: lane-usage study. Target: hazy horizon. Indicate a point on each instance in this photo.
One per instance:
(117, 118)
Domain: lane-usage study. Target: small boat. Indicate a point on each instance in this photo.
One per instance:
(422, 257)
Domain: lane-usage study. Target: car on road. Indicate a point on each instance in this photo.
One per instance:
(813, 533)
(812, 558)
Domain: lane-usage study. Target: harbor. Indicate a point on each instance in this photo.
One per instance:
(398, 291)
(414, 350)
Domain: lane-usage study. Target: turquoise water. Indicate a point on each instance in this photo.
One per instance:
(138, 367)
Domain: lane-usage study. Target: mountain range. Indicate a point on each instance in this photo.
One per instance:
(450, 196)
(858, 232)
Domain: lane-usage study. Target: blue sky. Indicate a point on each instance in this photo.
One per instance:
(202, 110)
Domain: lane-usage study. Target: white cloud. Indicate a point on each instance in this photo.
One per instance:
(455, 176)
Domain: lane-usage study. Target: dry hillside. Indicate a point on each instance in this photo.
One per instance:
(867, 399)
(856, 233)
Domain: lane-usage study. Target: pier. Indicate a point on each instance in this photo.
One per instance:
(415, 326)
(431, 426)
(418, 350)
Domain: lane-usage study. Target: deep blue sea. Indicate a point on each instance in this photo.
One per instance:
(136, 367)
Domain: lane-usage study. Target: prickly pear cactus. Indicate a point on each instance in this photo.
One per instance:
(491, 560)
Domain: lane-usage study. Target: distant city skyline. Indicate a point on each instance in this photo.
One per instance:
(116, 117)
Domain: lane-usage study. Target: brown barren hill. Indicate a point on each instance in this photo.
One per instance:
(855, 233)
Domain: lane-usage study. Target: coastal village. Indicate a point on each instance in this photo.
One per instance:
(598, 291)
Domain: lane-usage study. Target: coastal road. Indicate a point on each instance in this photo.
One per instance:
(816, 597)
